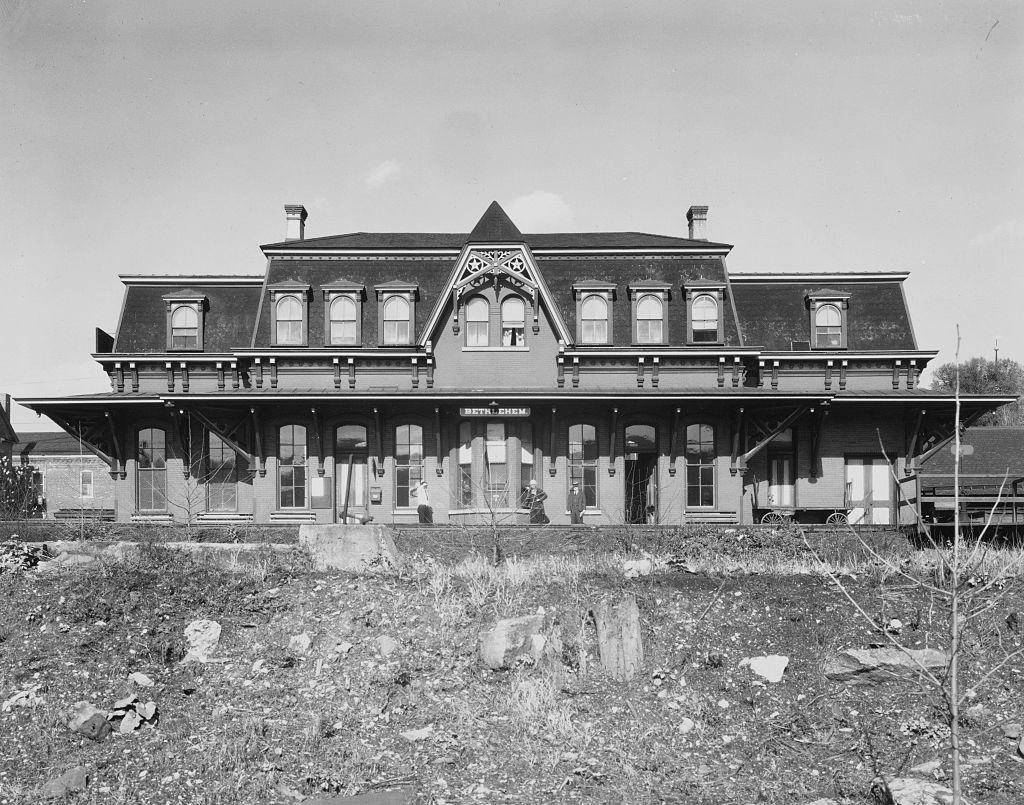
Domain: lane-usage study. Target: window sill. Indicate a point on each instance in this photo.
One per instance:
(496, 349)
(586, 513)
(176, 350)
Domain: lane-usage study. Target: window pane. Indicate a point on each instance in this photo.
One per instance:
(408, 461)
(583, 461)
(700, 465)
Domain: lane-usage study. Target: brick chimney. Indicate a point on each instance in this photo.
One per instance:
(295, 216)
(697, 218)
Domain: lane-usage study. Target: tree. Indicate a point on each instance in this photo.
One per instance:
(18, 498)
(981, 376)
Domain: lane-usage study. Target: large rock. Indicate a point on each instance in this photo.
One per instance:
(203, 637)
(72, 781)
(349, 547)
(770, 667)
(912, 791)
(512, 638)
(870, 665)
(88, 720)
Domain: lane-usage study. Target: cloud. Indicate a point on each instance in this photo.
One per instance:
(1008, 230)
(540, 211)
(383, 173)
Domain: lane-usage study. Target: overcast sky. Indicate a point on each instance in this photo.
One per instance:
(154, 137)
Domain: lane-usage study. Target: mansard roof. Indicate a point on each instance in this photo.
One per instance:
(228, 320)
(773, 309)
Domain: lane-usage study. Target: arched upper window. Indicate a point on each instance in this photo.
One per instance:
(478, 315)
(828, 326)
(396, 320)
(289, 320)
(704, 318)
(151, 470)
(513, 322)
(649, 320)
(185, 327)
(700, 465)
(291, 466)
(594, 320)
(344, 320)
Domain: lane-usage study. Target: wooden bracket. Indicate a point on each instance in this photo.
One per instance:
(575, 372)
(842, 374)
(721, 371)
(828, 375)
(337, 372)
(561, 371)
(273, 373)
(817, 429)
(737, 435)
(654, 371)
(225, 436)
(318, 433)
(785, 423)
(116, 444)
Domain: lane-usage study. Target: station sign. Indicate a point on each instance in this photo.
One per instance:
(494, 412)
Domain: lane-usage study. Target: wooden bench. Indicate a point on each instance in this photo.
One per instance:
(720, 517)
(92, 515)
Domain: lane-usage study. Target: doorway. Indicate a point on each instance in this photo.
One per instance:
(350, 473)
(869, 495)
(641, 475)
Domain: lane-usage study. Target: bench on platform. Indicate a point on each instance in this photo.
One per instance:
(715, 517)
(92, 515)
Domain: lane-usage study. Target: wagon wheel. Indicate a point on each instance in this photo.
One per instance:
(772, 518)
(837, 518)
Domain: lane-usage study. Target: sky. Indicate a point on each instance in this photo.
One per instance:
(165, 138)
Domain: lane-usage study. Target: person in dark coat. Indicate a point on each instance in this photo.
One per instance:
(535, 501)
(423, 509)
(576, 503)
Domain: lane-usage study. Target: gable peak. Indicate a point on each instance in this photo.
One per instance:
(495, 227)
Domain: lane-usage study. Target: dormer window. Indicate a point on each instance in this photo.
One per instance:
(344, 321)
(704, 308)
(594, 320)
(397, 302)
(650, 317)
(828, 319)
(184, 327)
(343, 313)
(593, 312)
(396, 320)
(185, 311)
(289, 320)
(513, 322)
(289, 310)
(478, 321)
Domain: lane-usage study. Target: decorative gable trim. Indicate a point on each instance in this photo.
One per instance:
(478, 265)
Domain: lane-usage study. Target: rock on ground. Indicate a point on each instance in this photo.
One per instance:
(349, 547)
(72, 781)
(203, 637)
(386, 645)
(300, 644)
(869, 665)
(88, 720)
(634, 568)
(770, 667)
(510, 639)
(911, 791)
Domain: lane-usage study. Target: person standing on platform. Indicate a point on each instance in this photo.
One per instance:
(576, 503)
(423, 508)
(535, 501)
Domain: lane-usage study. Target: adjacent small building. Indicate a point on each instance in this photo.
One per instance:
(69, 480)
(631, 365)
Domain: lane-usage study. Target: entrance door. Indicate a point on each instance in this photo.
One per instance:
(780, 482)
(350, 473)
(641, 476)
(869, 491)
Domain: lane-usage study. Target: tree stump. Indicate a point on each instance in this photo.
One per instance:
(618, 637)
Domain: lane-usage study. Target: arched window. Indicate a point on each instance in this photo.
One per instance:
(344, 315)
(351, 449)
(700, 465)
(221, 476)
(513, 322)
(583, 461)
(291, 467)
(408, 461)
(289, 320)
(151, 470)
(496, 457)
(478, 314)
(828, 326)
(649, 320)
(594, 320)
(184, 327)
(396, 320)
(704, 318)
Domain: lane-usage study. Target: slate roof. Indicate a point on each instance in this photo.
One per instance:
(539, 240)
(229, 318)
(774, 314)
(996, 451)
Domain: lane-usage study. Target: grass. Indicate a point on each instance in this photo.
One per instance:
(268, 725)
